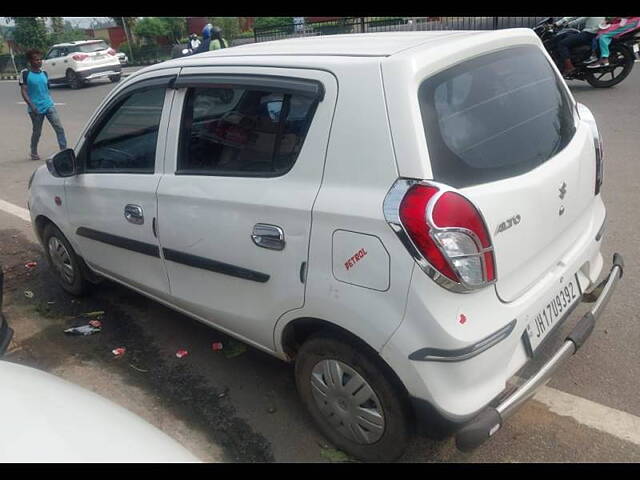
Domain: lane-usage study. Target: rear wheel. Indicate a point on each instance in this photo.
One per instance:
(114, 78)
(74, 80)
(65, 264)
(621, 61)
(352, 399)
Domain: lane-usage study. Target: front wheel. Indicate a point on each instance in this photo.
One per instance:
(65, 264)
(352, 399)
(621, 61)
(74, 80)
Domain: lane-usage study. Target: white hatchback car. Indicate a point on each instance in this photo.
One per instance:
(76, 63)
(407, 216)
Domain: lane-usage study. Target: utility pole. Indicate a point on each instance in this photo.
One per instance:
(124, 25)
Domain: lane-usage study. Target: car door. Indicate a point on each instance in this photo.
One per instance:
(111, 203)
(245, 155)
(50, 64)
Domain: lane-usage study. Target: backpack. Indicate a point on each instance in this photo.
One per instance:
(24, 74)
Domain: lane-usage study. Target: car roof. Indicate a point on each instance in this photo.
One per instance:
(331, 50)
(362, 44)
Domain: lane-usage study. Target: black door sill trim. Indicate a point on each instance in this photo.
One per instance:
(121, 242)
(214, 266)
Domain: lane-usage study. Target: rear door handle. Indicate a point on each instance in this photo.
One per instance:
(134, 214)
(268, 236)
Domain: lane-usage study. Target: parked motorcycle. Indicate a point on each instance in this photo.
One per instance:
(621, 58)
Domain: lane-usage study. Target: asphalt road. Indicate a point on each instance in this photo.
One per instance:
(245, 408)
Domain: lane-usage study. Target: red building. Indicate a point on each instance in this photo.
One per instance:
(196, 24)
(113, 35)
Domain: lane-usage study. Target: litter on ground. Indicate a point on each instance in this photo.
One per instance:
(138, 369)
(30, 264)
(234, 349)
(118, 352)
(83, 330)
(28, 293)
(181, 353)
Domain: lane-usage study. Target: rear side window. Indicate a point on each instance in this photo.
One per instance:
(494, 117)
(239, 131)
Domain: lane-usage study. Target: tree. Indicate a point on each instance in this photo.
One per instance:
(57, 25)
(230, 26)
(30, 32)
(150, 27)
(272, 22)
(129, 25)
(175, 28)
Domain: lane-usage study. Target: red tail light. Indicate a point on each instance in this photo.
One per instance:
(111, 51)
(79, 57)
(448, 232)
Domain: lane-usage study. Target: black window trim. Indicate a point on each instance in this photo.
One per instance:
(274, 83)
(204, 81)
(108, 111)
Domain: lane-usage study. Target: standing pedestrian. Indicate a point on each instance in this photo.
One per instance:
(34, 86)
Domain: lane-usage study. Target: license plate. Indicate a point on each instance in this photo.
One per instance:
(636, 47)
(551, 313)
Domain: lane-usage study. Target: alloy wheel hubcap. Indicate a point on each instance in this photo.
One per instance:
(61, 259)
(347, 402)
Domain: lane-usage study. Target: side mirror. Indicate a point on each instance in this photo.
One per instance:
(63, 163)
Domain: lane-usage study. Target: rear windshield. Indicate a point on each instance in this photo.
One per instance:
(493, 117)
(89, 47)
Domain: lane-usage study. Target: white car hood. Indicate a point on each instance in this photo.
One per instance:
(46, 419)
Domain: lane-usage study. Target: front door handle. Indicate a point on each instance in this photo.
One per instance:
(268, 236)
(134, 214)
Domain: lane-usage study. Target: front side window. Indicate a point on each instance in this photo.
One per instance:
(126, 142)
(242, 131)
(493, 117)
(53, 53)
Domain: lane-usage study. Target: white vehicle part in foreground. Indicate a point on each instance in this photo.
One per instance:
(47, 419)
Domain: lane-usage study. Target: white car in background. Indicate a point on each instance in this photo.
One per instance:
(76, 63)
(407, 216)
(122, 57)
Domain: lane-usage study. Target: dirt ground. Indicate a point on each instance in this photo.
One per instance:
(158, 386)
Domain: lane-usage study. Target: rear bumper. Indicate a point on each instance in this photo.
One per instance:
(99, 72)
(490, 419)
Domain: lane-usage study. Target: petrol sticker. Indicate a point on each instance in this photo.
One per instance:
(462, 319)
(355, 259)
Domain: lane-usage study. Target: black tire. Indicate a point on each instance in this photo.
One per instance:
(115, 78)
(389, 442)
(621, 60)
(74, 80)
(77, 284)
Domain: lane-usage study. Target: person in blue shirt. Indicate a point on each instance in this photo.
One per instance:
(34, 86)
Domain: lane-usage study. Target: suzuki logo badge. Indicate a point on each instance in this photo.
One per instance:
(563, 190)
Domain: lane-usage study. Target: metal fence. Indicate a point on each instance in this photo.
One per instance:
(399, 24)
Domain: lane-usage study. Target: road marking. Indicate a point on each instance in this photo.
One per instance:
(609, 420)
(19, 212)
(24, 103)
